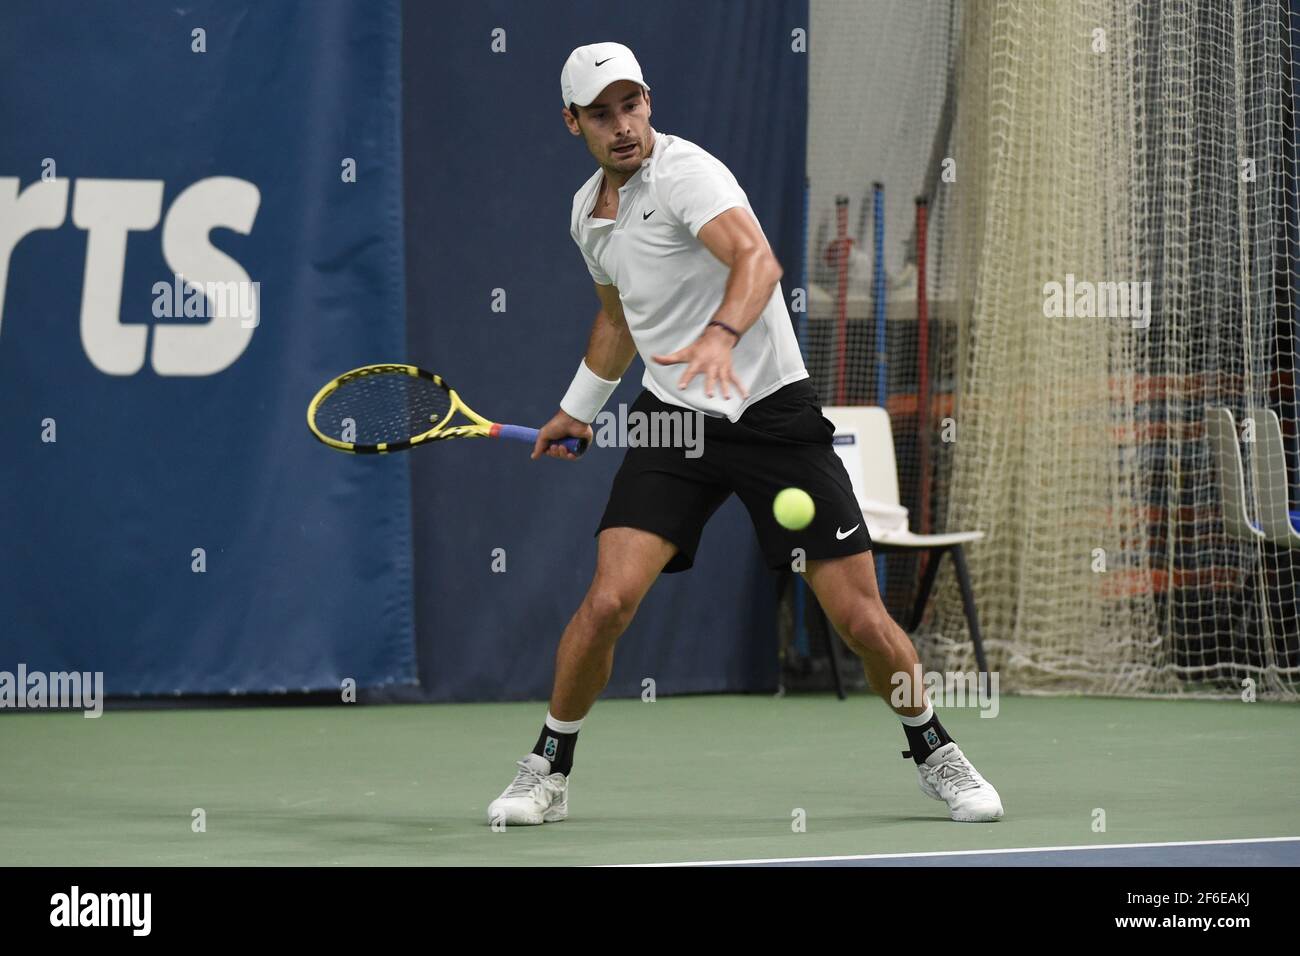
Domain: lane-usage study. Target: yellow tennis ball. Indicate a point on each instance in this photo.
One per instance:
(793, 508)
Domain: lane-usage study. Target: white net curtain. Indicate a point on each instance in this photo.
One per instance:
(1108, 387)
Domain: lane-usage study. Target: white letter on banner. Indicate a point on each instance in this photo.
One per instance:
(41, 205)
(206, 349)
(108, 209)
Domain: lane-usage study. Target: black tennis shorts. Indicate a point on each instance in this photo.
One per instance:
(781, 441)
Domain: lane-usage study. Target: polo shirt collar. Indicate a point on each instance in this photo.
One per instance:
(635, 179)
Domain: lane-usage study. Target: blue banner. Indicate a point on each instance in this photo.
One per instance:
(200, 223)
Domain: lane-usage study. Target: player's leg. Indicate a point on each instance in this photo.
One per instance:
(627, 562)
(784, 441)
(657, 509)
(846, 589)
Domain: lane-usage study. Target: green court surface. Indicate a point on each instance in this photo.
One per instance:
(682, 779)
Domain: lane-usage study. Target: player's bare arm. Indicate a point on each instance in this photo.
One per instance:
(610, 351)
(736, 241)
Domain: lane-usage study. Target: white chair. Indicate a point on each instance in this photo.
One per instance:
(1221, 433)
(865, 443)
(1272, 489)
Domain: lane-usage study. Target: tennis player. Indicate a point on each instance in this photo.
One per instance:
(685, 278)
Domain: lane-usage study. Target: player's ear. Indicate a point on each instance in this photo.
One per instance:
(571, 121)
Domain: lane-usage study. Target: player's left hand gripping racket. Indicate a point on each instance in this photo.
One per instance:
(376, 409)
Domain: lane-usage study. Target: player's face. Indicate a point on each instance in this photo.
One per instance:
(616, 126)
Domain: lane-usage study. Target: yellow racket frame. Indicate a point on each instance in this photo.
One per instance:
(481, 427)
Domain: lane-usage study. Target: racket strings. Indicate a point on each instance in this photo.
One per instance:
(379, 408)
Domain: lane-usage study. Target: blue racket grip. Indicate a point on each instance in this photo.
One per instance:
(520, 433)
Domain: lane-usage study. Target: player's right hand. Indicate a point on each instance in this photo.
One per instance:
(562, 426)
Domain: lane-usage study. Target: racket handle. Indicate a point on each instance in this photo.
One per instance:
(521, 433)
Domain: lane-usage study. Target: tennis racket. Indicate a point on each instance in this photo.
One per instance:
(376, 409)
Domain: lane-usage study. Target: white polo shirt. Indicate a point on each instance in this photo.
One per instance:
(670, 284)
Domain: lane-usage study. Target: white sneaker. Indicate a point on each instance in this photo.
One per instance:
(947, 775)
(536, 796)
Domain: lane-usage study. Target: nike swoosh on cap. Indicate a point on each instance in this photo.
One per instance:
(841, 535)
(604, 61)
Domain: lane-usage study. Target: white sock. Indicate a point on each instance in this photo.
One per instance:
(920, 720)
(563, 726)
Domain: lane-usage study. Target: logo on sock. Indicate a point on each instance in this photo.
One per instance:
(932, 738)
(552, 746)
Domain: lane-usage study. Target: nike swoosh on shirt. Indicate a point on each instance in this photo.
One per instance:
(647, 215)
(841, 535)
(604, 61)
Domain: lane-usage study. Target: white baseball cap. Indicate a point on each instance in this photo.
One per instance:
(589, 69)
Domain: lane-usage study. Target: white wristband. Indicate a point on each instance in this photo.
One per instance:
(587, 395)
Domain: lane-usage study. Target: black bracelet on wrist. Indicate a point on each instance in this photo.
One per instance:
(724, 325)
